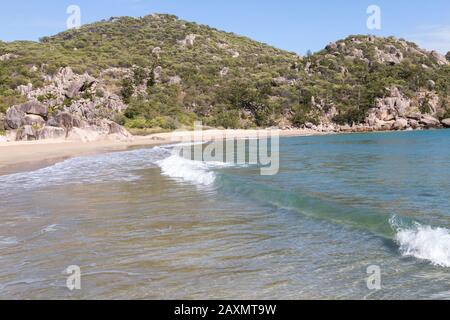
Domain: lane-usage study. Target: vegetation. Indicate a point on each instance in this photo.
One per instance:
(226, 80)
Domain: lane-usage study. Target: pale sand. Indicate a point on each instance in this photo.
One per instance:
(17, 156)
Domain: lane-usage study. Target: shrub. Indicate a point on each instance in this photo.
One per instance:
(127, 90)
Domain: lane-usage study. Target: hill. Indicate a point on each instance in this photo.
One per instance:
(161, 72)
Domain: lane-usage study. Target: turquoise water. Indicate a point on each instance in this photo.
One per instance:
(149, 225)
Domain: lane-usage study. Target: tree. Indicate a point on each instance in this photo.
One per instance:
(127, 90)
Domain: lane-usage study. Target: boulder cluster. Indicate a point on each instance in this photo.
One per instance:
(69, 106)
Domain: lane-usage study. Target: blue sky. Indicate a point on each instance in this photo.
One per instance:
(294, 25)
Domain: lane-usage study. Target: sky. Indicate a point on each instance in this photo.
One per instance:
(294, 25)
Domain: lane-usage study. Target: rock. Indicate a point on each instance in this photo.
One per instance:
(431, 84)
(309, 125)
(446, 123)
(8, 56)
(224, 71)
(33, 120)
(14, 118)
(49, 132)
(400, 124)
(280, 81)
(84, 135)
(26, 133)
(415, 116)
(157, 74)
(33, 107)
(413, 123)
(429, 121)
(234, 54)
(439, 58)
(389, 108)
(188, 41)
(117, 129)
(390, 55)
(174, 80)
(65, 120)
(332, 46)
(157, 52)
(74, 89)
(25, 89)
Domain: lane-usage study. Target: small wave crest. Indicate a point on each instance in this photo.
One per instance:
(424, 243)
(191, 171)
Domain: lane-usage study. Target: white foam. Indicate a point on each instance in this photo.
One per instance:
(425, 243)
(188, 170)
(196, 172)
(118, 166)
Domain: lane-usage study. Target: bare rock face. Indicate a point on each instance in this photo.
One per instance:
(446, 123)
(430, 122)
(33, 107)
(439, 58)
(69, 101)
(14, 118)
(400, 124)
(118, 130)
(174, 80)
(389, 108)
(25, 89)
(157, 52)
(390, 55)
(49, 132)
(27, 133)
(33, 120)
(189, 41)
(8, 56)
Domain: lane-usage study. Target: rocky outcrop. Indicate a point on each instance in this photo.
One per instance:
(439, 58)
(446, 123)
(33, 107)
(49, 132)
(8, 56)
(398, 112)
(69, 101)
(429, 121)
(389, 108)
(14, 118)
(400, 124)
(189, 41)
(390, 55)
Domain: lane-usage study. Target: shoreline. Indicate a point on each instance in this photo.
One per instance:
(32, 155)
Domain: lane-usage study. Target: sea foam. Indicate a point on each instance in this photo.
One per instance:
(196, 172)
(425, 243)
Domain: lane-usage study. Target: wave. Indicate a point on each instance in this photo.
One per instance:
(424, 243)
(197, 172)
(416, 240)
(117, 166)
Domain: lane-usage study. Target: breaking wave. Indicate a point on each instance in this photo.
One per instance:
(197, 172)
(424, 243)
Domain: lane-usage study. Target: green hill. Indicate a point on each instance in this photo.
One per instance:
(170, 72)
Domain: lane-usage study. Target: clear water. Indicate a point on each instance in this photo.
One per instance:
(142, 224)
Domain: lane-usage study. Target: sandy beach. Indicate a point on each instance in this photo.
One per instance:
(19, 156)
